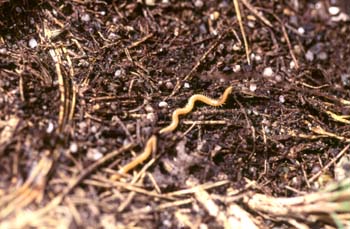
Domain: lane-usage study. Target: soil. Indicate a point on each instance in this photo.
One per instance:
(80, 80)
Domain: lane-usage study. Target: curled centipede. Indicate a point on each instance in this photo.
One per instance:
(190, 105)
(151, 144)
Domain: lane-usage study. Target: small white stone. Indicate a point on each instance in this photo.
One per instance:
(309, 55)
(301, 30)
(278, 78)
(251, 24)
(268, 72)
(186, 85)
(73, 148)
(103, 13)
(3, 50)
(94, 154)
(150, 2)
(169, 85)
(236, 47)
(32, 43)
(236, 68)
(149, 108)
(151, 117)
(252, 87)
(281, 99)
(292, 65)
(322, 56)
(49, 128)
(85, 17)
(94, 129)
(258, 58)
(333, 10)
(117, 73)
(163, 104)
(198, 3)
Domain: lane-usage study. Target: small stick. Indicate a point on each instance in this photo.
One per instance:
(256, 13)
(314, 177)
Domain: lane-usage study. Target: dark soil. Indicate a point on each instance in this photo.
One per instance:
(105, 74)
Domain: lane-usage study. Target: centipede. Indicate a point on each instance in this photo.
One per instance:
(151, 144)
(190, 105)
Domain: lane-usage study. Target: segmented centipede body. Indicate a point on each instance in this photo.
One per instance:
(151, 144)
(188, 108)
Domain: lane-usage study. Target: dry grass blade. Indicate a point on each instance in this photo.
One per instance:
(329, 206)
(30, 191)
(239, 17)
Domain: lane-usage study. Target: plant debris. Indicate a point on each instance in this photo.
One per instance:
(85, 85)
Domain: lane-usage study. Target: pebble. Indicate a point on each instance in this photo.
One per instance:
(236, 47)
(258, 58)
(333, 10)
(33, 43)
(292, 65)
(268, 72)
(49, 128)
(281, 99)
(169, 85)
(198, 4)
(236, 68)
(85, 17)
(73, 148)
(345, 79)
(151, 117)
(251, 24)
(301, 30)
(117, 73)
(278, 78)
(163, 104)
(309, 55)
(187, 85)
(150, 2)
(252, 87)
(3, 50)
(93, 129)
(94, 154)
(322, 56)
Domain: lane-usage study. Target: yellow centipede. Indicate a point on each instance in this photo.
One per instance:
(151, 144)
(188, 108)
(150, 147)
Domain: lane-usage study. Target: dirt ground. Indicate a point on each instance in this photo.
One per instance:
(84, 85)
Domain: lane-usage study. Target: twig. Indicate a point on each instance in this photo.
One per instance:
(314, 177)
